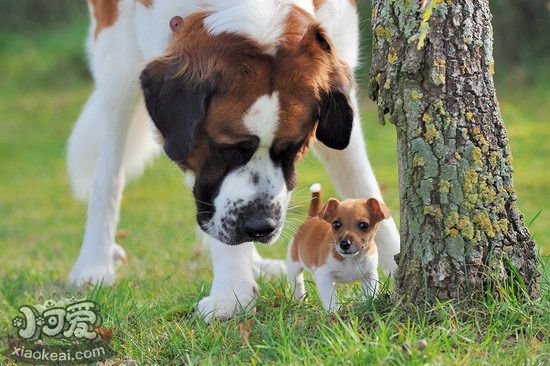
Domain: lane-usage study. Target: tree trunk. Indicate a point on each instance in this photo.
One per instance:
(460, 226)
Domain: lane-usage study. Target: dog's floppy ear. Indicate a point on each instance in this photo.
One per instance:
(378, 210)
(328, 211)
(176, 105)
(335, 109)
(335, 119)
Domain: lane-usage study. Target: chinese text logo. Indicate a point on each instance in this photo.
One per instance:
(71, 319)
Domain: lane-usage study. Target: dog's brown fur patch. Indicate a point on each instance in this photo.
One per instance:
(318, 3)
(105, 13)
(146, 3)
(313, 243)
(300, 71)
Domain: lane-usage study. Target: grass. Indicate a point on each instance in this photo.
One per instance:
(152, 307)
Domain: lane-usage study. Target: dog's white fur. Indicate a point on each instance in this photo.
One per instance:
(110, 141)
(262, 119)
(236, 190)
(350, 270)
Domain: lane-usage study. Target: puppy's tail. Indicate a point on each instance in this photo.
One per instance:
(315, 204)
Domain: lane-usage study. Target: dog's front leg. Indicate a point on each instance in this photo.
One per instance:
(233, 285)
(352, 175)
(326, 290)
(99, 253)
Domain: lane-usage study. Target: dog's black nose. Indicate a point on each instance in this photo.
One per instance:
(345, 244)
(258, 227)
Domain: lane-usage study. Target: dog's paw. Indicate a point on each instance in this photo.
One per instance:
(88, 273)
(217, 307)
(94, 269)
(223, 308)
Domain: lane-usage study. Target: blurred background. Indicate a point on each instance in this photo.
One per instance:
(44, 82)
(521, 28)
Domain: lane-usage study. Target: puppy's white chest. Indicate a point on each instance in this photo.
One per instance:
(348, 270)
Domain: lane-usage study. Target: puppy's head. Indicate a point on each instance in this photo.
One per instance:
(354, 223)
(237, 114)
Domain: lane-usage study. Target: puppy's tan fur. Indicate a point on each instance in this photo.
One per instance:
(317, 245)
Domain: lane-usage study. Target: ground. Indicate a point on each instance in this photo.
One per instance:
(151, 310)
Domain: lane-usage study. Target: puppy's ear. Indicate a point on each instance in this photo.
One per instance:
(329, 210)
(176, 105)
(335, 110)
(378, 210)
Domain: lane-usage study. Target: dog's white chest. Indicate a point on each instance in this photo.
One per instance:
(348, 270)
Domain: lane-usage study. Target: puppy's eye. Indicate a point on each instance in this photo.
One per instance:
(363, 226)
(336, 225)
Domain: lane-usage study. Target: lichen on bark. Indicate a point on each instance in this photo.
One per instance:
(432, 73)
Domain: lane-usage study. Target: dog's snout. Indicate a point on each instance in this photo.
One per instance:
(259, 227)
(345, 244)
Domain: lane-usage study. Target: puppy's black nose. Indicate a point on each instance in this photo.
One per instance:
(257, 227)
(345, 244)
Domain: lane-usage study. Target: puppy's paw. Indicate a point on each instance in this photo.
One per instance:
(300, 293)
(223, 308)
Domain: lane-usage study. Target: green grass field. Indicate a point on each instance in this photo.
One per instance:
(152, 308)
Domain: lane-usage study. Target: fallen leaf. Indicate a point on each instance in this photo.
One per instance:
(122, 233)
(245, 330)
(421, 345)
(105, 333)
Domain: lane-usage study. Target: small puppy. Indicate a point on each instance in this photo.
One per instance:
(336, 243)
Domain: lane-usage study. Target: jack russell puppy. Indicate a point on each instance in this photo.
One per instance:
(336, 243)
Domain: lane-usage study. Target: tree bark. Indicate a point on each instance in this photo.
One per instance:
(432, 72)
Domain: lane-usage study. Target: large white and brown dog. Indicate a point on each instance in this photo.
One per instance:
(237, 91)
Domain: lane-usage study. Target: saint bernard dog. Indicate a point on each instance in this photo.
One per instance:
(235, 91)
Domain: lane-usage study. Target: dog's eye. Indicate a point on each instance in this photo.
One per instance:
(363, 226)
(336, 225)
(286, 153)
(237, 154)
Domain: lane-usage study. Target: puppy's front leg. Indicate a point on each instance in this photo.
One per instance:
(233, 285)
(370, 284)
(370, 281)
(327, 291)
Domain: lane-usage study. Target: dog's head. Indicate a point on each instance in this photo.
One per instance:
(354, 223)
(238, 114)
